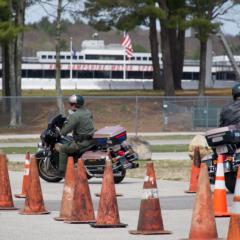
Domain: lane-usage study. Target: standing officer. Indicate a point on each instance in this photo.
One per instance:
(80, 122)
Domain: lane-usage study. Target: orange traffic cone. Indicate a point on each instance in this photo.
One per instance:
(34, 204)
(203, 226)
(108, 215)
(25, 177)
(6, 201)
(219, 195)
(150, 216)
(195, 171)
(68, 190)
(82, 208)
(234, 225)
(234, 228)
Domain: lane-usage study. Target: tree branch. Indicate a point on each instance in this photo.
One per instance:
(218, 12)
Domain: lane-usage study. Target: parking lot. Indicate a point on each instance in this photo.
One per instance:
(175, 204)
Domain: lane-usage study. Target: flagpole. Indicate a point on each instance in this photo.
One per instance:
(71, 59)
(124, 64)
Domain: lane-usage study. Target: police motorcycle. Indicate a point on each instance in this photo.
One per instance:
(109, 140)
(224, 141)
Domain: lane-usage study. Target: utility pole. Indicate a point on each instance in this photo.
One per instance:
(230, 55)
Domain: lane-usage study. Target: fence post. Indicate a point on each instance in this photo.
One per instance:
(165, 114)
(207, 113)
(136, 116)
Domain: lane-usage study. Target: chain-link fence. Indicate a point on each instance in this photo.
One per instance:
(136, 114)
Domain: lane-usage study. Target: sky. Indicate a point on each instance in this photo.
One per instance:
(231, 20)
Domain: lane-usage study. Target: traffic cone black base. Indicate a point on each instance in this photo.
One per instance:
(59, 219)
(38, 213)
(135, 232)
(79, 222)
(119, 225)
(203, 238)
(8, 208)
(20, 195)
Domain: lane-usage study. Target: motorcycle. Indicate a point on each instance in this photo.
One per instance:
(224, 141)
(108, 140)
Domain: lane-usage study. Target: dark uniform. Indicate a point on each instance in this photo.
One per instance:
(230, 114)
(81, 124)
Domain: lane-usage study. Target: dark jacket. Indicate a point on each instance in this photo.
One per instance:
(230, 114)
(80, 123)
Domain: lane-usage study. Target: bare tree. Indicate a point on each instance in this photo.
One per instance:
(58, 61)
(61, 7)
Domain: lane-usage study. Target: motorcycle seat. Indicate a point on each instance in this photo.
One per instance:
(83, 150)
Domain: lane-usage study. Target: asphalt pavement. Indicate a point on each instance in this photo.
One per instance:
(176, 209)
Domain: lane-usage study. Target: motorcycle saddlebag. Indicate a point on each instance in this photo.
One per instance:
(94, 157)
(223, 135)
(111, 134)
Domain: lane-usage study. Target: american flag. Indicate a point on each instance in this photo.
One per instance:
(127, 44)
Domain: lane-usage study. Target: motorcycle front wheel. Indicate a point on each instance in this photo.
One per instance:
(118, 179)
(46, 174)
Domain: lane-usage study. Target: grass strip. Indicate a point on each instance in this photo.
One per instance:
(178, 170)
(35, 140)
(20, 140)
(18, 150)
(171, 137)
(155, 148)
(164, 169)
(208, 92)
(169, 148)
(15, 166)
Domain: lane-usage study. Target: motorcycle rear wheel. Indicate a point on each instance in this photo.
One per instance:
(46, 175)
(230, 181)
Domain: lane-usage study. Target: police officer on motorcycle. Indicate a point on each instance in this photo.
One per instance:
(80, 123)
(230, 114)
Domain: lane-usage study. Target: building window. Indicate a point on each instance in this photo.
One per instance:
(104, 57)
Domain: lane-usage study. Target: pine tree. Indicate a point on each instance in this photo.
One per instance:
(11, 27)
(203, 14)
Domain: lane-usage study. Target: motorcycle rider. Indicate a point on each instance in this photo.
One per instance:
(230, 114)
(80, 122)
